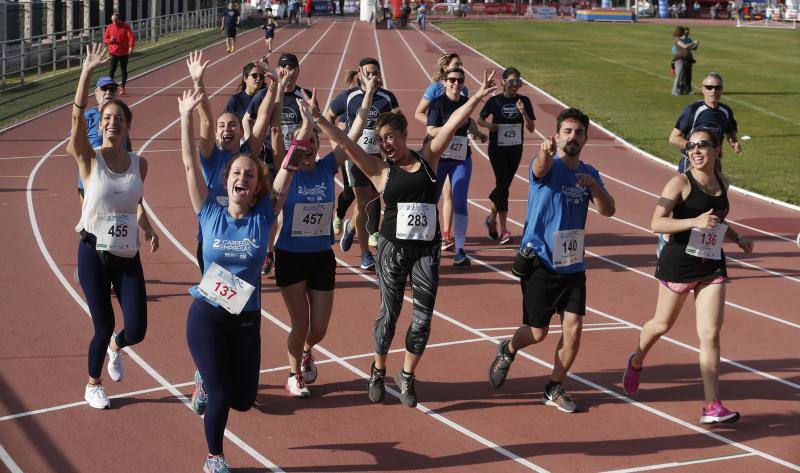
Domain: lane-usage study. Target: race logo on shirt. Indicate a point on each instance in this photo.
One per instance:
(575, 194)
(372, 117)
(288, 116)
(510, 111)
(245, 246)
(317, 192)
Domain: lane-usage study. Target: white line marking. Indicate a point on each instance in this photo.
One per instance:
(8, 461)
(683, 463)
(380, 58)
(338, 69)
(552, 326)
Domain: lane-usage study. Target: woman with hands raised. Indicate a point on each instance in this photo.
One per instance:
(410, 236)
(111, 216)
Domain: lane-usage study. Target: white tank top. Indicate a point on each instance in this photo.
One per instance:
(109, 206)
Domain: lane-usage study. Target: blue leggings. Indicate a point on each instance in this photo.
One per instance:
(227, 351)
(96, 273)
(460, 172)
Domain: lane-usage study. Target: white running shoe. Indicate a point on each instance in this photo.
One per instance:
(115, 367)
(95, 395)
(297, 387)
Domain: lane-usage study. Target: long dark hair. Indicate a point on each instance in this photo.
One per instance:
(245, 72)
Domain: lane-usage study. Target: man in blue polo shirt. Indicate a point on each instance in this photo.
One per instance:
(561, 187)
(708, 113)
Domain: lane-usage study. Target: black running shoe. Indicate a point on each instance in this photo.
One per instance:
(408, 393)
(498, 370)
(376, 388)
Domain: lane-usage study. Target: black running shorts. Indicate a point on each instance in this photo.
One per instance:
(546, 292)
(317, 269)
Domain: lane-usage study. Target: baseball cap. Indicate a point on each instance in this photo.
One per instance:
(104, 81)
(288, 59)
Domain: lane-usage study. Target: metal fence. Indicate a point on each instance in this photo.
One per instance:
(28, 58)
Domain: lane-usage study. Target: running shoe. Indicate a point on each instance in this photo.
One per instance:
(408, 393)
(373, 239)
(498, 370)
(718, 413)
(269, 262)
(348, 233)
(337, 226)
(199, 396)
(116, 369)
(95, 395)
(447, 241)
(216, 464)
(491, 227)
(630, 380)
(505, 238)
(122, 92)
(297, 387)
(367, 261)
(376, 388)
(461, 258)
(308, 368)
(559, 398)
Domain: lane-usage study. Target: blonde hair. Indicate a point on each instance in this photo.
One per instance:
(442, 64)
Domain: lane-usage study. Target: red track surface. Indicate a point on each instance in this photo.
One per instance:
(464, 425)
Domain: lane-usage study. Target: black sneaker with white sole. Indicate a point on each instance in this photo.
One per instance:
(408, 393)
(376, 388)
(498, 370)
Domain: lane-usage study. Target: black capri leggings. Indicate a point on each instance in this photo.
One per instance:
(505, 162)
(227, 352)
(123, 64)
(394, 266)
(96, 272)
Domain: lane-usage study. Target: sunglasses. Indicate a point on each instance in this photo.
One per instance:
(453, 80)
(702, 144)
(255, 75)
(514, 82)
(712, 87)
(109, 88)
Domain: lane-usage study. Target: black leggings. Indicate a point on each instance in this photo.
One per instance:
(123, 63)
(96, 273)
(394, 266)
(227, 352)
(504, 164)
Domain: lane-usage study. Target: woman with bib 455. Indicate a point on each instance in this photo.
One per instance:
(692, 211)
(111, 217)
(409, 244)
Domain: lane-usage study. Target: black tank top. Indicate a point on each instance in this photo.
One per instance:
(674, 265)
(411, 187)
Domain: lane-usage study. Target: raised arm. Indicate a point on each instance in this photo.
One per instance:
(79, 146)
(196, 70)
(262, 124)
(434, 148)
(198, 190)
(543, 162)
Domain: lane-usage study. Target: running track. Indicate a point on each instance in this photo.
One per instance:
(462, 424)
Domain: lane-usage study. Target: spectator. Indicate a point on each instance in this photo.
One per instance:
(230, 24)
(119, 38)
(696, 9)
(681, 59)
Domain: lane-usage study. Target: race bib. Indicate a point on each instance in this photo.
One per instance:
(369, 142)
(288, 132)
(222, 200)
(225, 288)
(706, 243)
(509, 134)
(117, 233)
(416, 221)
(457, 149)
(567, 247)
(310, 220)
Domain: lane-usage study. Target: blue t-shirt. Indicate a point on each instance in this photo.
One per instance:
(315, 187)
(238, 245)
(436, 90)
(348, 103)
(556, 203)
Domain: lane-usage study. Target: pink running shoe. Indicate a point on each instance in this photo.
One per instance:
(718, 413)
(630, 380)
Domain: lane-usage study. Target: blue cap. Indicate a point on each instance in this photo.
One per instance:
(104, 81)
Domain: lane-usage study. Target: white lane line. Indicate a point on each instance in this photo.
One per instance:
(380, 58)
(134, 356)
(607, 131)
(681, 463)
(552, 326)
(8, 461)
(480, 150)
(596, 386)
(338, 69)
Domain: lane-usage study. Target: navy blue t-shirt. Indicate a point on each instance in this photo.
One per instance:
(348, 103)
(231, 15)
(700, 114)
(290, 112)
(439, 112)
(237, 103)
(511, 124)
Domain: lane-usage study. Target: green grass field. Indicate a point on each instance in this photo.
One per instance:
(619, 74)
(39, 96)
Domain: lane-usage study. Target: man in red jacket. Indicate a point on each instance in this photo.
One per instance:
(119, 38)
